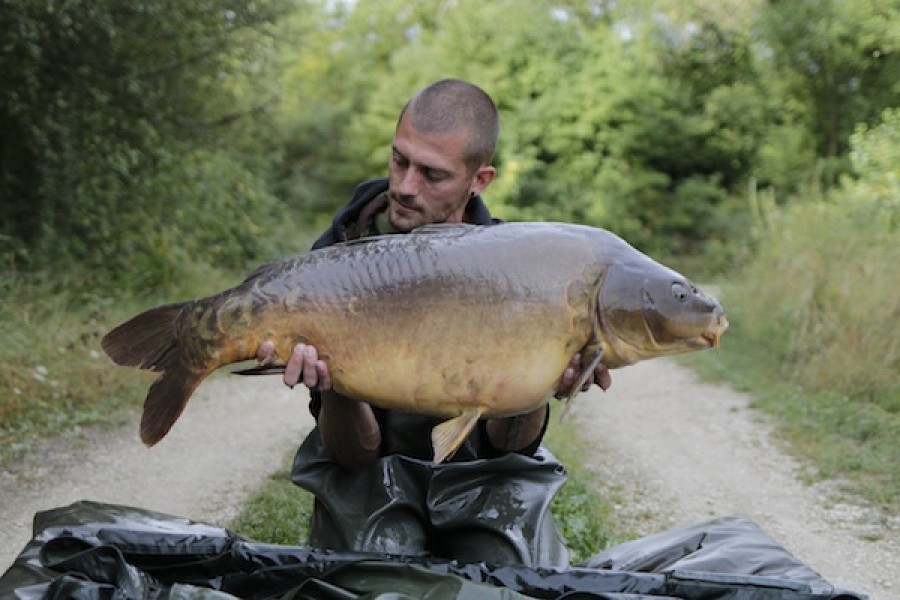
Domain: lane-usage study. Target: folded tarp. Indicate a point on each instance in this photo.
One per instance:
(95, 551)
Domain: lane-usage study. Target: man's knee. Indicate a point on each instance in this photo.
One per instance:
(395, 532)
(471, 545)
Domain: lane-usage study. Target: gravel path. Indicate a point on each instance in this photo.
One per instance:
(671, 450)
(234, 432)
(675, 451)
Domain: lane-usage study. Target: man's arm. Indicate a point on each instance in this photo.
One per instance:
(348, 427)
(349, 430)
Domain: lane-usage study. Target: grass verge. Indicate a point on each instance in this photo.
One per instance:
(54, 377)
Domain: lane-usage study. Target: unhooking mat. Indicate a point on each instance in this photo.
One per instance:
(95, 551)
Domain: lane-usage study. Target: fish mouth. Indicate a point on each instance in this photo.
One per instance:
(712, 337)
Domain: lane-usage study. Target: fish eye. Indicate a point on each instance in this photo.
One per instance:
(680, 291)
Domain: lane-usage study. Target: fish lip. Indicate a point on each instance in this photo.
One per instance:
(712, 337)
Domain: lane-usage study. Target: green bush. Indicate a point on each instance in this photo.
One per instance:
(827, 274)
(111, 106)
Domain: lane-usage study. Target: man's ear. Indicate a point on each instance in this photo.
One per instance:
(482, 178)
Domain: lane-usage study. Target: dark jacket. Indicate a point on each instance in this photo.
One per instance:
(346, 219)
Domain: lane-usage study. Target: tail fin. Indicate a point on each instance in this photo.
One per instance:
(167, 398)
(143, 341)
(148, 341)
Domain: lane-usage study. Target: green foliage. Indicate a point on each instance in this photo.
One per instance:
(103, 100)
(875, 156)
(207, 208)
(838, 290)
(649, 118)
(838, 60)
(590, 133)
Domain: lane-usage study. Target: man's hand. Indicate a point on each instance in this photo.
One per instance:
(572, 372)
(304, 366)
(348, 428)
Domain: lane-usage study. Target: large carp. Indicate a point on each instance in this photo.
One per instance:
(460, 321)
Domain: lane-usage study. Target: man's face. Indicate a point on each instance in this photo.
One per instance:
(429, 180)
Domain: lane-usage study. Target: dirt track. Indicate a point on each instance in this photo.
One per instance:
(234, 432)
(697, 452)
(674, 450)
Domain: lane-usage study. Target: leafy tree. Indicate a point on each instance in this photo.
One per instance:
(839, 60)
(97, 99)
(335, 58)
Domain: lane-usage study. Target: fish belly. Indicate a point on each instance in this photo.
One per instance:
(491, 357)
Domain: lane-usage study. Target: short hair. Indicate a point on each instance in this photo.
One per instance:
(452, 104)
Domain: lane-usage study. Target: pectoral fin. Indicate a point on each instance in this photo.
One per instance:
(448, 436)
(273, 369)
(587, 370)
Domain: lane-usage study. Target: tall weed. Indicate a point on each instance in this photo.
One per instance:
(822, 295)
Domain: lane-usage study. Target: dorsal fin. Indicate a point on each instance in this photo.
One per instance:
(445, 227)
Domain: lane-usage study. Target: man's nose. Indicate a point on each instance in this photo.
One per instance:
(409, 183)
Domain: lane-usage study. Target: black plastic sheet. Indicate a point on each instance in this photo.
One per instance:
(90, 550)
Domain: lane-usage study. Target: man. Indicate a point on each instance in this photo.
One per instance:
(370, 469)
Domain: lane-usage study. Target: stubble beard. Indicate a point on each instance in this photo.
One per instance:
(420, 217)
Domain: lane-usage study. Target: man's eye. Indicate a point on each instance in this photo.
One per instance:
(433, 176)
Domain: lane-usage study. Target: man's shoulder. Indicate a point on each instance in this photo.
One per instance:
(363, 194)
(369, 189)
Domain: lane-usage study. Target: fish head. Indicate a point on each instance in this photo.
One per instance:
(649, 310)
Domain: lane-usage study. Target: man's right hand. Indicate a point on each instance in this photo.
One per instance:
(304, 365)
(348, 427)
